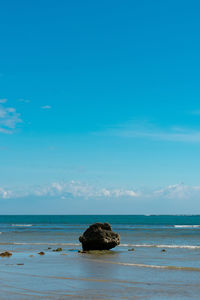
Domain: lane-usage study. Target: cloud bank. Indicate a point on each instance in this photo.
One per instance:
(71, 189)
(75, 197)
(77, 189)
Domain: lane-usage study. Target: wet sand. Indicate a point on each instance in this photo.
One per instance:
(113, 275)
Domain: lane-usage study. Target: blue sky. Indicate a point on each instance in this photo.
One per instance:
(99, 107)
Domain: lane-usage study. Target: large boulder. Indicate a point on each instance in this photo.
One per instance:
(99, 236)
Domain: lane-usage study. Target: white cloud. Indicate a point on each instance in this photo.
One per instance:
(6, 131)
(149, 131)
(74, 189)
(5, 194)
(46, 107)
(121, 193)
(78, 189)
(3, 100)
(9, 118)
(76, 197)
(57, 186)
(178, 191)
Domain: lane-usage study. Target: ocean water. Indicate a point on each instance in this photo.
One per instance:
(148, 272)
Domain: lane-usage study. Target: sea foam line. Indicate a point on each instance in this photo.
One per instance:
(186, 226)
(161, 246)
(151, 266)
(21, 225)
(50, 244)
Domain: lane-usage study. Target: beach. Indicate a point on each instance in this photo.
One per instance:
(153, 261)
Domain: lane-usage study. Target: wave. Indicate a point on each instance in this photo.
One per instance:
(21, 225)
(47, 244)
(186, 226)
(124, 226)
(121, 245)
(162, 246)
(152, 266)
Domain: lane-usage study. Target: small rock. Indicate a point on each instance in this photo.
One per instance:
(132, 249)
(31, 255)
(81, 251)
(41, 253)
(57, 250)
(163, 250)
(20, 264)
(49, 248)
(5, 254)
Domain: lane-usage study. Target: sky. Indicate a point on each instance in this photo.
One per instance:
(99, 107)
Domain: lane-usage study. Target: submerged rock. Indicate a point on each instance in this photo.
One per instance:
(132, 249)
(41, 253)
(99, 236)
(57, 250)
(81, 251)
(97, 252)
(5, 254)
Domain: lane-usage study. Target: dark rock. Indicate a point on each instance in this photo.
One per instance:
(57, 250)
(81, 251)
(132, 249)
(99, 236)
(97, 252)
(20, 264)
(49, 248)
(41, 253)
(5, 254)
(163, 250)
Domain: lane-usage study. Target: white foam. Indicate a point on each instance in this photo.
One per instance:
(162, 246)
(22, 225)
(48, 244)
(154, 266)
(187, 226)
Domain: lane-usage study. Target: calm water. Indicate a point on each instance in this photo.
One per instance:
(145, 273)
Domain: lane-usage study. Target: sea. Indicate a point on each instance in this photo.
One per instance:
(158, 258)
